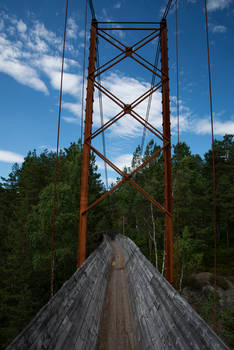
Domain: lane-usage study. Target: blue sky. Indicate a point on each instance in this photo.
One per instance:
(30, 59)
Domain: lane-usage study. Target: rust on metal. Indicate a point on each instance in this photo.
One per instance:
(128, 109)
(86, 149)
(167, 156)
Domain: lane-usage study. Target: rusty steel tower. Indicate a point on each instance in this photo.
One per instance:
(102, 30)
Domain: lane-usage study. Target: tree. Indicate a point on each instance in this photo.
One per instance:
(189, 258)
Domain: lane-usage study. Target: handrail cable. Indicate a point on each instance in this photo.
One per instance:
(178, 151)
(213, 166)
(56, 164)
(83, 78)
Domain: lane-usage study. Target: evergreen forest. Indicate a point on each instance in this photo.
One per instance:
(26, 205)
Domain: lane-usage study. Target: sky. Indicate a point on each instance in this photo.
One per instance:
(31, 38)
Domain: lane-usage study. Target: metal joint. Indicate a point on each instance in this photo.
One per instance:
(128, 52)
(127, 109)
(126, 178)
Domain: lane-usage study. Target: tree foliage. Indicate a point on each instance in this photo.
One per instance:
(26, 202)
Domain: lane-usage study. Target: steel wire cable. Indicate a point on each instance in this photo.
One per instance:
(166, 11)
(150, 98)
(213, 164)
(92, 9)
(56, 164)
(101, 116)
(178, 152)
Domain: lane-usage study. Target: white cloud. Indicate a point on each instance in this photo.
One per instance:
(221, 128)
(39, 31)
(72, 28)
(48, 148)
(111, 180)
(21, 26)
(117, 5)
(71, 82)
(214, 5)
(33, 50)
(122, 161)
(10, 157)
(75, 108)
(71, 120)
(11, 65)
(127, 89)
(48, 63)
(219, 29)
(1, 24)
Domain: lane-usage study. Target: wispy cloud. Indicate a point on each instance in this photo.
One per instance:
(74, 108)
(202, 126)
(71, 120)
(10, 157)
(218, 28)
(29, 52)
(214, 5)
(128, 89)
(72, 29)
(121, 161)
(48, 148)
(117, 5)
(11, 64)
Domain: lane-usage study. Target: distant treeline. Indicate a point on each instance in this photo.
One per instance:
(26, 202)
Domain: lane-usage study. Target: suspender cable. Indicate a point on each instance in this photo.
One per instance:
(213, 165)
(83, 79)
(56, 164)
(150, 98)
(167, 9)
(102, 118)
(178, 152)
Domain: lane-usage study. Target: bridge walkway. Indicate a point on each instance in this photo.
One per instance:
(117, 325)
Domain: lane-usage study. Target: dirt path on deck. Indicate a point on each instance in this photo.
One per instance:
(117, 327)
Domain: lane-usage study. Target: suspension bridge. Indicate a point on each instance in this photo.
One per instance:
(116, 299)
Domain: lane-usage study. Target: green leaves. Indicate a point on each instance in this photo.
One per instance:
(26, 204)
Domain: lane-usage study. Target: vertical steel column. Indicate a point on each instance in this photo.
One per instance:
(86, 148)
(167, 155)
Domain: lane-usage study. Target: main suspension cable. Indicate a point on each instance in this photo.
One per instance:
(92, 9)
(167, 9)
(83, 78)
(56, 164)
(213, 166)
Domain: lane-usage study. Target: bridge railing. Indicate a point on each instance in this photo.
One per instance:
(163, 319)
(73, 315)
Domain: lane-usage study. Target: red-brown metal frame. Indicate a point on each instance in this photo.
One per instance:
(164, 136)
